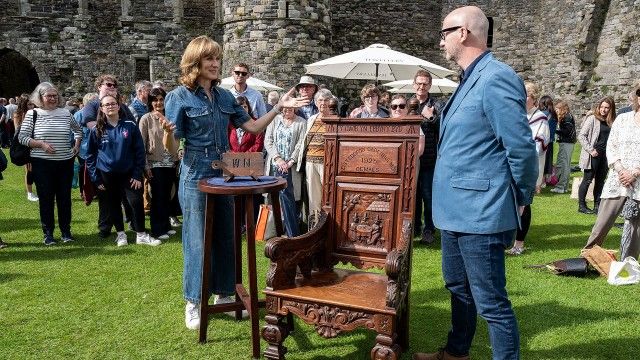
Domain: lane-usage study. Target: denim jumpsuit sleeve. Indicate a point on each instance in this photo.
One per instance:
(202, 123)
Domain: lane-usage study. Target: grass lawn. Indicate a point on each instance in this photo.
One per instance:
(91, 300)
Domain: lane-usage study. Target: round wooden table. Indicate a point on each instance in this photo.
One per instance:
(243, 195)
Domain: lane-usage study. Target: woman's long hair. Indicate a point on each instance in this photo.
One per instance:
(546, 104)
(242, 100)
(101, 119)
(198, 49)
(611, 116)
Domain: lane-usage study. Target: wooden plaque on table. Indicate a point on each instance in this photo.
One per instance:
(240, 164)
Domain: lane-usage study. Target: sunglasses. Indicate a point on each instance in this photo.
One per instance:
(396, 106)
(638, 93)
(240, 73)
(443, 32)
(110, 85)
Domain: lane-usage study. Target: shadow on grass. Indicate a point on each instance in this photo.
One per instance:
(7, 277)
(83, 246)
(602, 349)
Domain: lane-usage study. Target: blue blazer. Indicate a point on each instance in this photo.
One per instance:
(487, 164)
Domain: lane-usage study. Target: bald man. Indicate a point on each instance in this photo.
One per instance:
(485, 174)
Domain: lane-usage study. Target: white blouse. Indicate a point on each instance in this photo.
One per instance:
(623, 145)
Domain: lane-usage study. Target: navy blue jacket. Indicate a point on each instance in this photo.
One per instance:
(120, 150)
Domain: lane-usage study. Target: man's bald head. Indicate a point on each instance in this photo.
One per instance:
(472, 18)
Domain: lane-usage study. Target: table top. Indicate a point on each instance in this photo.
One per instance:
(254, 187)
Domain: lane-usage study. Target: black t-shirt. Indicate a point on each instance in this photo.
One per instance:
(603, 136)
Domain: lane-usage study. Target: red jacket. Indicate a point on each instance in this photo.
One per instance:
(250, 142)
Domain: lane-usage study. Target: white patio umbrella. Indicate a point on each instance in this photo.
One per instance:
(252, 82)
(438, 86)
(377, 62)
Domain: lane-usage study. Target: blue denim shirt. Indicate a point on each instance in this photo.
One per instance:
(201, 122)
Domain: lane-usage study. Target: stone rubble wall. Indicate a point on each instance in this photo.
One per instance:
(579, 50)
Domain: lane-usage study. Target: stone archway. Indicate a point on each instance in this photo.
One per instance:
(17, 74)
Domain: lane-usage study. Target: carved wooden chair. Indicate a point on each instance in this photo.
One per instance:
(368, 202)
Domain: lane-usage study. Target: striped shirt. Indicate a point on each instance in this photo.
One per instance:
(52, 126)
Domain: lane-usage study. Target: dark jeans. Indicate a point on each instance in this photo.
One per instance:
(53, 183)
(161, 182)
(116, 186)
(548, 160)
(288, 205)
(80, 173)
(425, 181)
(525, 223)
(473, 270)
(598, 172)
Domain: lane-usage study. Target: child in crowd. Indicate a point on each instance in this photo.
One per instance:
(115, 161)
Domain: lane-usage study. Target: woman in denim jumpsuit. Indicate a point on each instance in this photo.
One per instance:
(201, 112)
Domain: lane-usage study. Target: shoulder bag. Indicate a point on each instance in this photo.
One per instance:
(21, 154)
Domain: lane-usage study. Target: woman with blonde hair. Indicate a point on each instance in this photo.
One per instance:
(593, 157)
(566, 139)
(200, 112)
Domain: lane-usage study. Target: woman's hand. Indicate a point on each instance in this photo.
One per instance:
(46, 147)
(135, 184)
(101, 187)
(594, 153)
(167, 125)
(282, 166)
(287, 100)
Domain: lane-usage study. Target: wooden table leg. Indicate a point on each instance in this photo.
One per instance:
(237, 243)
(253, 282)
(206, 267)
(277, 212)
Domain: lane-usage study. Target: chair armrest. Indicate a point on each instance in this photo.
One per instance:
(286, 254)
(398, 268)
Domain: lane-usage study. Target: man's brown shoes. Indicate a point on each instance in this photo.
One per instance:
(440, 355)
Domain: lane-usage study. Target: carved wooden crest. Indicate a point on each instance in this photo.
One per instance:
(240, 164)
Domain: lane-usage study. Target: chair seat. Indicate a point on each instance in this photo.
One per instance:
(343, 288)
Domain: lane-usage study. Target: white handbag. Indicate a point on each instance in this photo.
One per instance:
(626, 272)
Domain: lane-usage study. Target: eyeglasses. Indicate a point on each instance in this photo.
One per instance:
(54, 96)
(422, 84)
(109, 105)
(396, 106)
(110, 85)
(443, 32)
(371, 96)
(240, 73)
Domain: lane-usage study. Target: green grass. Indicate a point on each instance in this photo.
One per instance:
(91, 300)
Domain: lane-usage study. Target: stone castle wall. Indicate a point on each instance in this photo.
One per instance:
(579, 50)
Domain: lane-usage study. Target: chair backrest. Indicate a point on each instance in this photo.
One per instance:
(370, 185)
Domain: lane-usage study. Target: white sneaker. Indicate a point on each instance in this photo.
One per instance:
(171, 232)
(173, 220)
(146, 239)
(557, 190)
(163, 237)
(32, 197)
(228, 300)
(121, 239)
(192, 316)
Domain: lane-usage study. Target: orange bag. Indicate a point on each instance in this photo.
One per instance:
(265, 228)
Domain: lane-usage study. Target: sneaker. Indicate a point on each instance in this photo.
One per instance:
(171, 232)
(192, 316)
(228, 300)
(515, 251)
(163, 236)
(121, 239)
(146, 239)
(48, 241)
(67, 238)
(32, 197)
(3, 244)
(173, 220)
(557, 190)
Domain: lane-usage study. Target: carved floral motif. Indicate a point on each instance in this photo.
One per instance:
(330, 321)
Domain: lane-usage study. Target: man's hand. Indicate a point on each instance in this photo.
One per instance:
(594, 153)
(520, 210)
(135, 184)
(287, 100)
(428, 112)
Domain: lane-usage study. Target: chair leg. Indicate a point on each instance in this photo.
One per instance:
(385, 349)
(403, 326)
(274, 333)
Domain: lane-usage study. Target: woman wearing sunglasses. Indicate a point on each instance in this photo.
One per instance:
(399, 108)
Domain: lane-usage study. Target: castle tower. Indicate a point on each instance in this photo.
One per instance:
(275, 38)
